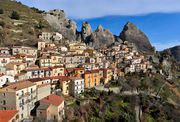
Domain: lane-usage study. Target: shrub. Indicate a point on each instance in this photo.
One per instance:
(2, 23)
(1, 11)
(37, 10)
(15, 15)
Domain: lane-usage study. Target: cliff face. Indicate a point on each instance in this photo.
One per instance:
(86, 32)
(132, 33)
(174, 51)
(99, 38)
(58, 20)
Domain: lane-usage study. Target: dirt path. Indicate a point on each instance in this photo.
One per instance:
(174, 89)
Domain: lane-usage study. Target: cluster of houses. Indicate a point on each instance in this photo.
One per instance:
(30, 77)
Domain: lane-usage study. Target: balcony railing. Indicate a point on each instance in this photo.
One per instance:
(28, 100)
(3, 61)
(24, 95)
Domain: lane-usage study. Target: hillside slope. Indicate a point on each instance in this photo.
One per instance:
(22, 31)
(174, 51)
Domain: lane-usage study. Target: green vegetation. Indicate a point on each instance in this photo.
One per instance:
(101, 107)
(15, 15)
(1, 11)
(2, 23)
(23, 30)
(148, 117)
(158, 109)
(37, 10)
(73, 104)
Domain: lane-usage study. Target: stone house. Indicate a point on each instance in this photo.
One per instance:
(64, 84)
(76, 86)
(17, 67)
(6, 79)
(4, 59)
(51, 108)
(20, 96)
(91, 78)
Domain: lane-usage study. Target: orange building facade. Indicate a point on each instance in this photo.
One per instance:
(91, 78)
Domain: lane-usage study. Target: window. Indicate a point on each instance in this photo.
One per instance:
(23, 101)
(4, 108)
(7, 80)
(33, 73)
(22, 92)
(4, 94)
(21, 116)
(31, 90)
(4, 102)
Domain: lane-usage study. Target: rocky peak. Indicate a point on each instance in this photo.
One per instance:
(133, 34)
(86, 31)
(99, 29)
(102, 37)
(58, 20)
(174, 51)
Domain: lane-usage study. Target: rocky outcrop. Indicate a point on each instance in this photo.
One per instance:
(133, 34)
(100, 38)
(118, 39)
(86, 32)
(174, 51)
(58, 20)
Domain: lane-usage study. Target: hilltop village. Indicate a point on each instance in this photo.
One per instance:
(40, 79)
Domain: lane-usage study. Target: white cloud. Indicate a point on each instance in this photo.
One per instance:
(96, 8)
(165, 45)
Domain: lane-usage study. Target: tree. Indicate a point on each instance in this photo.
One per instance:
(133, 83)
(15, 15)
(1, 11)
(40, 25)
(2, 23)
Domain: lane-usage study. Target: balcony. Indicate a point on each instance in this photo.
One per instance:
(21, 104)
(28, 100)
(24, 95)
(3, 61)
(27, 93)
(61, 112)
(33, 98)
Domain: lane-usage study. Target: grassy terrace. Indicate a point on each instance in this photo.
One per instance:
(26, 28)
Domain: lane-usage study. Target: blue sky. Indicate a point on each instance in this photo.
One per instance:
(159, 19)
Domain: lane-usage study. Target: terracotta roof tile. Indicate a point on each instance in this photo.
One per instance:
(20, 85)
(53, 99)
(6, 115)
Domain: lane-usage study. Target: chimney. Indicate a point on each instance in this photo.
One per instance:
(47, 97)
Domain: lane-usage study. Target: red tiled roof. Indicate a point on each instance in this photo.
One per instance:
(6, 115)
(92, 71)
(64, 78)
(46, 84)
(65, 71)
(20, 85)
(55, 67)
(53, 99)
(78, 68)
(35, 69)
(47, 69)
